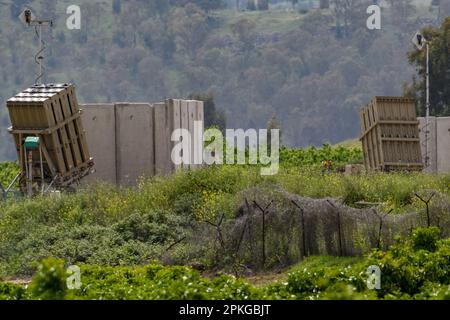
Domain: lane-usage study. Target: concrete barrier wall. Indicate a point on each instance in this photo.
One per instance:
(432, 144)
(167, 119)
(100, 128)
(184, 119)
(198, 137)
(443, 144)
(192, 115)
(438, 143)
(174, 112)
(130, 140)
(134, 142)
(162, 147)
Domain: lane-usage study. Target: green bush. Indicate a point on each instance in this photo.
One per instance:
(49, 283)
(324, 278)
(408, 266)
(425, 238)
(9, 291)
(8, 170)
(407, 272)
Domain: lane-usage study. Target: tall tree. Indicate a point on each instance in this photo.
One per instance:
(245, 31)
(213, 116)
(401, 12)
(272, 124)
(439, 41)
(350, 15)
(190, 27)
(117, 6)
(206, 5)
(324, 4)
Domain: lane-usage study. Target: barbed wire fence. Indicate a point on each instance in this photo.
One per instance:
(275, 229)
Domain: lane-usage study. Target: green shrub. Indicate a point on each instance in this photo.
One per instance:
(408, 265)
(49, 283)
(406, 273)
(9, 291)
(8, 170)
(341, 291)
(323, 278)
(305, 283)
(434, 291)
(425, 238)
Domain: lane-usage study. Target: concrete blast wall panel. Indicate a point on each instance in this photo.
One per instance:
(438, 143)
(195, 113)
(130, 140)
(134, 142)
(100, 126)
(167, 119)
(443, 144)
(198, 135)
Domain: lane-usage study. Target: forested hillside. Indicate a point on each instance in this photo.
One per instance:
(312, 68)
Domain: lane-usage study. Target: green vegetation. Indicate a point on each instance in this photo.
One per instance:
(313, 156)
(439, 93)
(128, 241)
(407, 273)
(105, 225)
(289, 157)
(8, 172)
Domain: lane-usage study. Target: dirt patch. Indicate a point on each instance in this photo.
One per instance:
(264, 279)
(20, 282)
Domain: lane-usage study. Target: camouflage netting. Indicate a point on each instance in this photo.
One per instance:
(274, 228)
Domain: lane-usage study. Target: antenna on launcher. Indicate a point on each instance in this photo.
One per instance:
(27, 17)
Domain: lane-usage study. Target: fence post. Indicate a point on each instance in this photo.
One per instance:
(427, 202)
(303, 251)
(381, 226)
(2, 190)
(341, 251)
(263, 229)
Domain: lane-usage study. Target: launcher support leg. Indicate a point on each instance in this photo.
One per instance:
(50, 185)
(30, 174)
(13, 182)
(3, 192)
